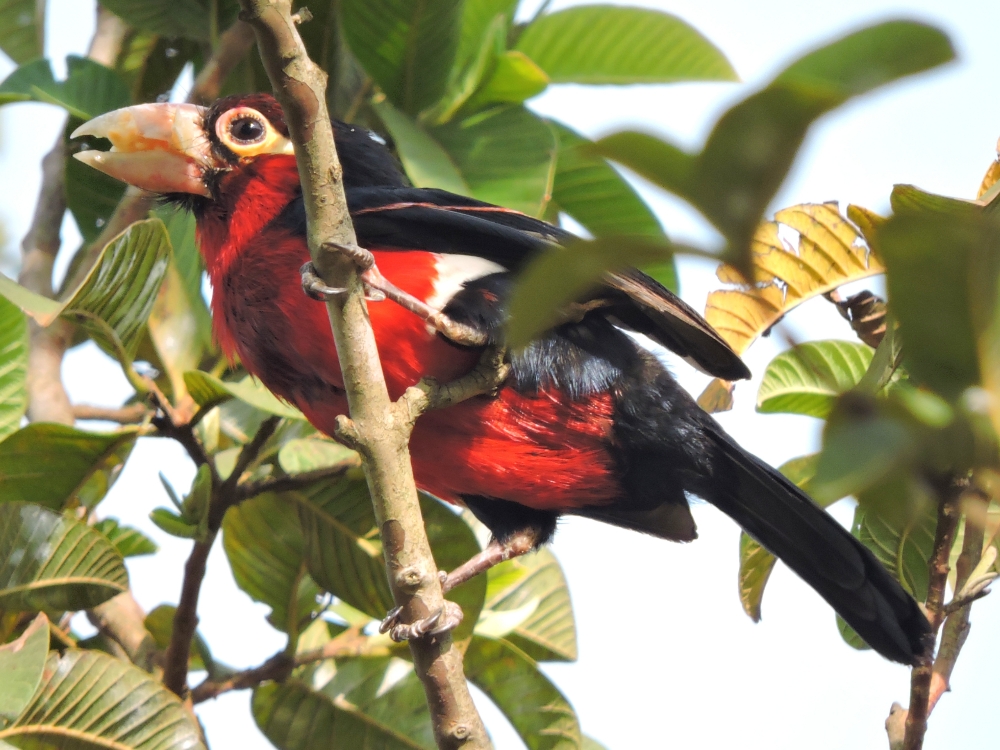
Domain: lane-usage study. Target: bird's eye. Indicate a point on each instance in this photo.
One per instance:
(247, 130)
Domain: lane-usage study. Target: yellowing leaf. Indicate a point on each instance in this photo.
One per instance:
(991, 176)
(828, 253)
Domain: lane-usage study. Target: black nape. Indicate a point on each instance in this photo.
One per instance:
(366, 161)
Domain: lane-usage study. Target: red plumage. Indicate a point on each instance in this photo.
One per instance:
(545, 451)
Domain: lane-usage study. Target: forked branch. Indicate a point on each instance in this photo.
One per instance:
(381, 438)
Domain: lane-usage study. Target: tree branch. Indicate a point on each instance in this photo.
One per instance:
(225, 494)
(352, 642)
(956, 627)
(938, 567)
(413, 577)
(131, 414)
(175, 666)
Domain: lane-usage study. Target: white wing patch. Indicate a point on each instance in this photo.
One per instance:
(453, 271)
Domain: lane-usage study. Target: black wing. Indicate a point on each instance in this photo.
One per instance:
(410, 218)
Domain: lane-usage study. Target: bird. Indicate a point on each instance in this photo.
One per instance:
(588, 422)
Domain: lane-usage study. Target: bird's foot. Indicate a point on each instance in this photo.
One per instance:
(315, 287)
(362, 258)
(447, 618)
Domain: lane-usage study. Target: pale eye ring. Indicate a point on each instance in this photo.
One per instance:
(247, 129)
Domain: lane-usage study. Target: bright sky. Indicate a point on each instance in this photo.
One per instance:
(667, 657)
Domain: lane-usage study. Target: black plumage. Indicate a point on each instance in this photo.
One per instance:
(665, 447)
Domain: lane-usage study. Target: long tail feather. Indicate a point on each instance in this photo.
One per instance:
(842, 570)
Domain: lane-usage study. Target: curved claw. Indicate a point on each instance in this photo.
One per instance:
(314, 287)
(447, 618)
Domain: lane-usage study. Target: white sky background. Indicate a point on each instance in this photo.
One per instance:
(667, 657)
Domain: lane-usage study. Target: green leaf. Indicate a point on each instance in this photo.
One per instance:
(293, 717)
(426, 163)
(862, 444)
(896, 520)
(91, 196)
(266, 551)
(22, 662)
(931, 290)
(344, 553)
(407, 47)
(90, 89)
(591, 191)
(150, 64)
(116, 298)
(606, 44)
(55, 563)
(386, 692)
(13, 367)
(169, 18)
(505, 155)
(55, 466)
(22, 29)
(128, 541)
(756, 563)
(92, 700)
(534, 583)
(312, 453)
(207, 391)
(180, 325)
(539, 712)
(589, 743)
(562, 275)
(174, 524)
(515, 78)
(807, 378)
(753, 145)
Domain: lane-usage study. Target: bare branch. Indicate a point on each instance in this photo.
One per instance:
(175, 667)
(122, 620)
(291, 483)
(351, 643)
(382, 440)
(234, 43)
(956, 627)
(131, 414)
(938, 567)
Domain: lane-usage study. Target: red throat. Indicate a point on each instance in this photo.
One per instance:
(250, 197)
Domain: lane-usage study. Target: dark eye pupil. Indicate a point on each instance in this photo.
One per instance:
(247, 130)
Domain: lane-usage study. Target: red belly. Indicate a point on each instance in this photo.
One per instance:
(544, 451)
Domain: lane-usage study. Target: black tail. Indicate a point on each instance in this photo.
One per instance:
(842, 570)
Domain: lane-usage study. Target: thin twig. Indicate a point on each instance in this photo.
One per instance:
(351, 643)
(413, 577)
(224, 496)
(131, 414)
(292, 482)
(956, 627)
(938, 567)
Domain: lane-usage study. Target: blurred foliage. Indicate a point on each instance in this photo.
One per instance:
(446, 82)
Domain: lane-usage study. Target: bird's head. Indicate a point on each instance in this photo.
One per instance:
(186, 149)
